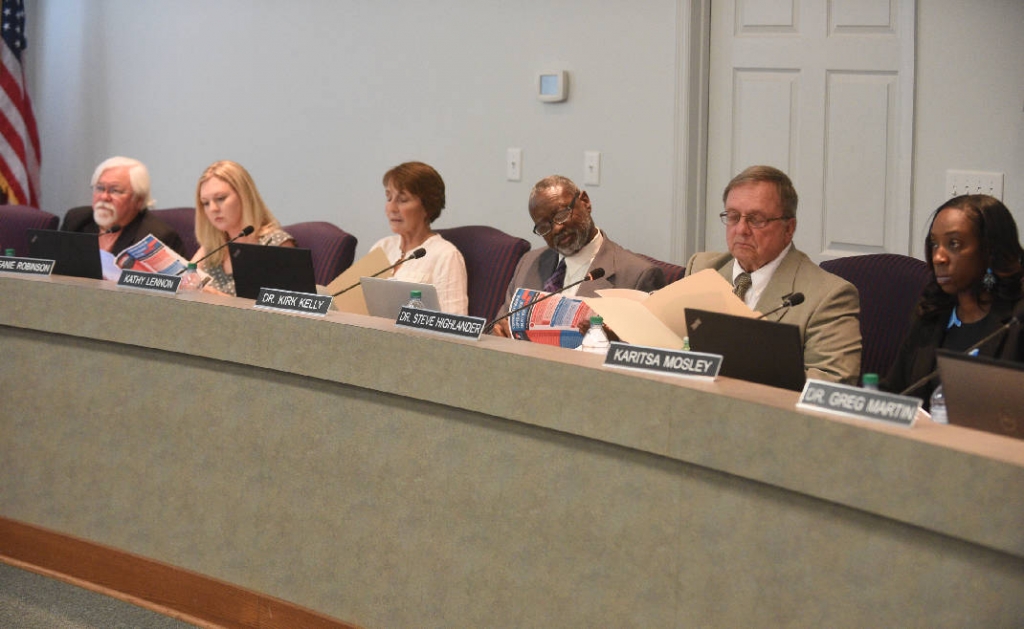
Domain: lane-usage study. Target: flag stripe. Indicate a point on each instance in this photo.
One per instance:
(19, 136)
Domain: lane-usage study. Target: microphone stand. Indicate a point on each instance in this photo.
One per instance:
(248, 229)
(1014, 320)
(415, 255)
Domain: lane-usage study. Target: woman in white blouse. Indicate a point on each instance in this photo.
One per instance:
(414, 194)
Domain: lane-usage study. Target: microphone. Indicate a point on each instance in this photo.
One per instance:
(594, 274)
(415, 255)
(788, 301)
(114, 229)
(1003, 329)
(248, 229)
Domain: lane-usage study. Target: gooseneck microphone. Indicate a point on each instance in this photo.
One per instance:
(788, 301)
(593, 275)
(415, 255)
(248, 229)
(1003, 329)
(113, 230)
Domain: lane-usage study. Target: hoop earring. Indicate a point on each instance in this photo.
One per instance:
(989, 280)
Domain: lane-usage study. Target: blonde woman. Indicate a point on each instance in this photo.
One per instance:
(227, 201)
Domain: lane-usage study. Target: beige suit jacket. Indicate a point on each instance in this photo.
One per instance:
(829, 318)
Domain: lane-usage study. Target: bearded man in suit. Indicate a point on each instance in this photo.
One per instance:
(561, 215)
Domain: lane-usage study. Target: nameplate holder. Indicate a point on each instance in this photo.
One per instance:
(26, 266)
(155, 282)
(459, 326)
(290, 301)
(663, 361)
(851, 401)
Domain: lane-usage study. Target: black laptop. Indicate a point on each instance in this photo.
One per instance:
(75, 253)
(983, 393)
(260, 266)
(754, 350)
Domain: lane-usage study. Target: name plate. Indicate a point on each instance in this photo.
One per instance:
(289, 301)
(149, 281)
(28, 266)
(663, 361)
(459, 326)
(850, 401)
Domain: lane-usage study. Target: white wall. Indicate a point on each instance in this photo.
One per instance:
(319, 98)
(969, 100)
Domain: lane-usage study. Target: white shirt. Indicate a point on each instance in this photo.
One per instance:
(577, 265)
(442, 266)
(758, 279)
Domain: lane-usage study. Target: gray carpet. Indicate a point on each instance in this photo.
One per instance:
(31, 601)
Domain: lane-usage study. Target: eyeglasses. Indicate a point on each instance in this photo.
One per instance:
(101, 190)
(561, 217)
(756, 221)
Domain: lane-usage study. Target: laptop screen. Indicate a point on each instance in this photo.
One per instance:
(385, 297)
(983, 393)
(261, 266)
(754, 350)
(75, 253)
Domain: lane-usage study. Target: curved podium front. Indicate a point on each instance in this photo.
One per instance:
(400, 479)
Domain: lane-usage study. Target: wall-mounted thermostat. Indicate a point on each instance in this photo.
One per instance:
(553, 87)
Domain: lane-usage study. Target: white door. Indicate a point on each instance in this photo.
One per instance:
(823, 90)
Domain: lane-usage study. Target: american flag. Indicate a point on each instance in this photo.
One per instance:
(19, 139)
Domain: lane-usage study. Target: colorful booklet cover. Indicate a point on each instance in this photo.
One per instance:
(554, 321)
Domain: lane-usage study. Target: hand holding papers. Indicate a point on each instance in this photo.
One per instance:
(658, 319)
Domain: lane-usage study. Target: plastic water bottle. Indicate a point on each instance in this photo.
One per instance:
(416, 300)
(596, 341)
(870, 381)
(191, 281)
(937, 406)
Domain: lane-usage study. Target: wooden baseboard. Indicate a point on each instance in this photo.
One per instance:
(155, 585)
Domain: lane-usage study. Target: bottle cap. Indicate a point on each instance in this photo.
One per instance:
(870, 378)
(415, 294)
(192, 266)
(9, 252)
(596, 320)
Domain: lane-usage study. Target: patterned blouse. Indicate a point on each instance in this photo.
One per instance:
(225, 282)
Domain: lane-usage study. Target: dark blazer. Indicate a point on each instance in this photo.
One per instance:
(622, 269)
(79, 219)
(916, 358)
(829, 318)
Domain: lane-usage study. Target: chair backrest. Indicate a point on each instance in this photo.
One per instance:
(15, 220)
(333, 248)
(183, 221)
(890, 286)
(673, 272)
(491, 256)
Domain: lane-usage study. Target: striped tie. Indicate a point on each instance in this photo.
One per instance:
(557, 279)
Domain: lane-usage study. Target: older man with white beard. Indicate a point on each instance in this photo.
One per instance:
(120, 208)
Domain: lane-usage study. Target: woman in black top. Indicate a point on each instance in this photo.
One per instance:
(976, 261)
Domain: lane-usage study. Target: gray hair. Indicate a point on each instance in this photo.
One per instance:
(138, 175)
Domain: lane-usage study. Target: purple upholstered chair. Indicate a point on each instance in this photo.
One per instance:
(673, 272)
(491, 256)
(15, 220)
(333, 248)
(183, 221)
(890, 286)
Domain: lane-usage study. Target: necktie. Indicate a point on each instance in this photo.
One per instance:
(557, 279)
(742, 284)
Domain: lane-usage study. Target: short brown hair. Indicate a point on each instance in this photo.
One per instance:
(757, 174)
(422, 181)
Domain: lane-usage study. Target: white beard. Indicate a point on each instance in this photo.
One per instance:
(105, 214)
